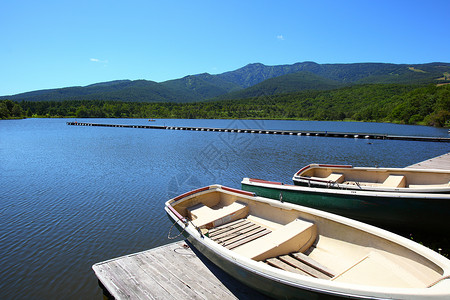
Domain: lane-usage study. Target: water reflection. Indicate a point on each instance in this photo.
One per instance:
(72, 196)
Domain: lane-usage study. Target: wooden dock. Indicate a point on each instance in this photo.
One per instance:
(439, 162)
(353, 135)
(177, 271)
(174, 271)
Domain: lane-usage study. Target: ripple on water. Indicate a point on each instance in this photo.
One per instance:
(73, 196)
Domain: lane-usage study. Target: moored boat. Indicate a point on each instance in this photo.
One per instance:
(419, 211)
(290, 251)
(405, 180)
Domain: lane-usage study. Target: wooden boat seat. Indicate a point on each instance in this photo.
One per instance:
(295, 236)
(237, 233)
(203, 216)
(335, 177)
(395, 181)
(302, 264)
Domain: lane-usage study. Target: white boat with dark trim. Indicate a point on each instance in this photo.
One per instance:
(428, 212)
(404, 180)
(294, 252)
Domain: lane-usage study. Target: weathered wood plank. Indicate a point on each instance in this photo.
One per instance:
(304, 267)
(118, 287)
(247, 239)
(439, 162)
(192, 275)
(169, 272)
(312, 263)
(240, 233)
(225, 233)
(277, 263)
(110, 276)
(217, 229)
(147, 279)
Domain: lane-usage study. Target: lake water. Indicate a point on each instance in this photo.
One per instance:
(71, 196)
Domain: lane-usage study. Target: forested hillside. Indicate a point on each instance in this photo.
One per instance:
(248, 81)
(408, 104)
(288, 83)
(410, 94)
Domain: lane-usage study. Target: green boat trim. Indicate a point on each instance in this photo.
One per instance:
(425, 212)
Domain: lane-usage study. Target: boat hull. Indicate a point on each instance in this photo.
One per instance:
(401, 211)
(270, 286)
(290, 285)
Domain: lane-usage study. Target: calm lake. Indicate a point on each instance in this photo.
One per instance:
(71, 196)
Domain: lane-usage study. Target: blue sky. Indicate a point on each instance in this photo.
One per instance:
(51, 44)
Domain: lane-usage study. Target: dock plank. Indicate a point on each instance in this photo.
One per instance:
(168, 272)
(146, 278)
(157, 268)
(441, 162)
(192, 277)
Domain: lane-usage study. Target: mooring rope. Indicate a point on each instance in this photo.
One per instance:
(170, 231)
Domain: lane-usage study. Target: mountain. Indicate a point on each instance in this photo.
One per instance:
(258, 79)
(345, 73)
(187, 89)
(248, 81)
(202, 86)
(289, 83)
(253, 74)
(120, 90)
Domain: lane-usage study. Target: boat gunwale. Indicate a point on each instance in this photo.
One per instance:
(382, 169)
(441, 187)
(316, 284)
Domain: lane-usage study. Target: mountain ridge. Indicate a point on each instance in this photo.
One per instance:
(247, 81)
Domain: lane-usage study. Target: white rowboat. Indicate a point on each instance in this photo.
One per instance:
(404, 180)
(290, 251)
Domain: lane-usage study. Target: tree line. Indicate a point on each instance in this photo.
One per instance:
(407, 104)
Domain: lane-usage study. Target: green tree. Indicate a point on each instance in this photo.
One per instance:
(16, 111)
(4, 112)
(82, 112)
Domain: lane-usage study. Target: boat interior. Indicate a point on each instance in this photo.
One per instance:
(378, 177)
(306, 244)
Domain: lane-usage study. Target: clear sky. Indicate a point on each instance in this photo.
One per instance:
(59, 43)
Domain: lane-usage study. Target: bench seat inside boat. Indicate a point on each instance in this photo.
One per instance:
(333, 177)
(204, 216)
(300, 263)
(295, 236)
(395, 181)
